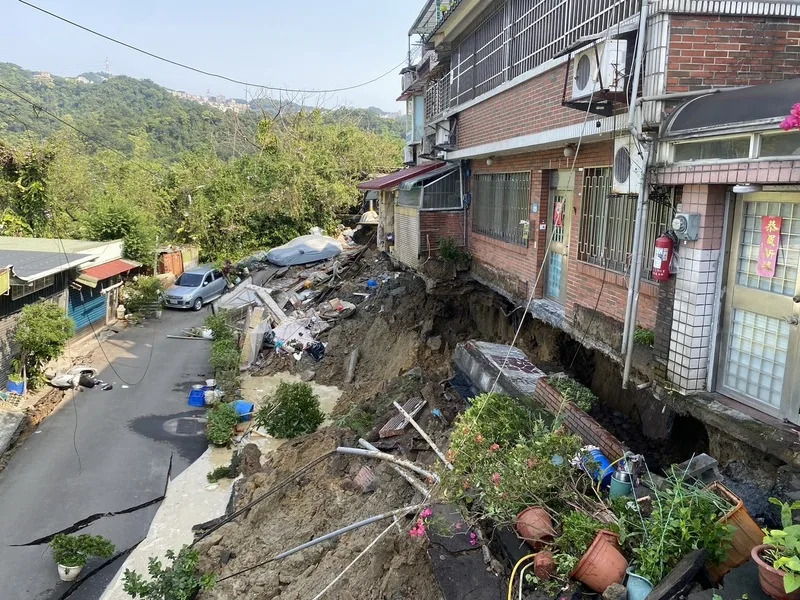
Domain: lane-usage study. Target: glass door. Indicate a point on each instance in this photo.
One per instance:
(559, 213)
(762, 307)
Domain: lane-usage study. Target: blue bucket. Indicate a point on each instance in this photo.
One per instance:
(638, 586)
(17, 387)
(244, 409)
(603, 470)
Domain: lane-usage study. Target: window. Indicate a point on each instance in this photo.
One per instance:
(443, 193)
(501, 206)
(719, 149)
(20, 291)
(780, 144)
(607, 222)
(190, 280)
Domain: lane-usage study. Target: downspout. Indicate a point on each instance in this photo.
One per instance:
(640, 225)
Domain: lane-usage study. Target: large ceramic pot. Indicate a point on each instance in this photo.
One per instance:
(69, 573)
(770, 578)
(535, 527)
(602, 564)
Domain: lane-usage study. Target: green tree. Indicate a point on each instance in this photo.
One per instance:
(41, 335)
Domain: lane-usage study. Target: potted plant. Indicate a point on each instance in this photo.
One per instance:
(72, 551)
(601, 562)
(778, 558)
(534, 526)
(16, 383)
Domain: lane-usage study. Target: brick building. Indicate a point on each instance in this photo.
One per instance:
(559, 154)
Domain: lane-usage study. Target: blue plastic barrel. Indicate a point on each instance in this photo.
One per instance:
(602, 470)
(244, 409)
(197, 398)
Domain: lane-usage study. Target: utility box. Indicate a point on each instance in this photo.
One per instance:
(686, 226)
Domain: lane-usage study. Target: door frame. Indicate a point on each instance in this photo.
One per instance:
(790, 395)
(565, 185)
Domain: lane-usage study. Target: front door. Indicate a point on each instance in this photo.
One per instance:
(761, 336)
(559, 211)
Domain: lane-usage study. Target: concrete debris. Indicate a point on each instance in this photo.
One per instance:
(365, 480)
(307, 375)
(398, 423)
(434, 343)
(616, 591)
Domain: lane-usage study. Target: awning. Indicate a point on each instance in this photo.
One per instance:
(765, 103)
(388, 182)
(94, 275)
(443, 170)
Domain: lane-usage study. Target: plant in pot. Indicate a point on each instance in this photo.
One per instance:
(778, 558)
(16, 383)
(601, 563)
(72, 551)
(221, 419)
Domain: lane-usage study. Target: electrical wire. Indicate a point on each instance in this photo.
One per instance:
(209, 73)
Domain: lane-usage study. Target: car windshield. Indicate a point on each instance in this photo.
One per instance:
(190, 280)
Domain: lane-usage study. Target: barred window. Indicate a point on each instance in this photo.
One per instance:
(607, 221)
(501, 206)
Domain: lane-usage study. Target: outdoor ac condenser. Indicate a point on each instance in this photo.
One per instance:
(628, 166)
(409, 154)
(607, 74)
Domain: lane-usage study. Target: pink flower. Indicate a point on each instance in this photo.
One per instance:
(789, 123)
(479, 438)
(418, 530)
(426, 513)
(459, 525)
(494, 447)
(795, 112)
(496, 479)
(473, 539)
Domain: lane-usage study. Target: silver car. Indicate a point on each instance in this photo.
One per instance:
(196, 287)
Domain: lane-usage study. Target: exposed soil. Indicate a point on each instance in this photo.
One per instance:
(33, 416)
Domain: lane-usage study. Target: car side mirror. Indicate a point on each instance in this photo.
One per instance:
(205, 283)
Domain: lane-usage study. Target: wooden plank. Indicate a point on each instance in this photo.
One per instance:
(397, 424)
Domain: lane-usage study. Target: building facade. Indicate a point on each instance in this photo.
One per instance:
(572, 121)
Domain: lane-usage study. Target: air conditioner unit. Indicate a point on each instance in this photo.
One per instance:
(443, 133)
(628, 166)
(409, 154)
(599, 68)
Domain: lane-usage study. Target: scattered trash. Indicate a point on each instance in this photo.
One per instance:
(316, 350)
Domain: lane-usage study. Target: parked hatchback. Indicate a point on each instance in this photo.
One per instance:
(196, 287)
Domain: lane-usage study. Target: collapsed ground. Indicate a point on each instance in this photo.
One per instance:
(405, 336)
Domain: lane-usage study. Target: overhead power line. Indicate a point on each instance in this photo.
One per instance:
(209, 73)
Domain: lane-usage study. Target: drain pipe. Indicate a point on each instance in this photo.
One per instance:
(640, 225)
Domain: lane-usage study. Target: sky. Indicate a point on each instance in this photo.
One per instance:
(316, 44)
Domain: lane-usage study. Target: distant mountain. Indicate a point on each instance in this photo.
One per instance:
(111, 109)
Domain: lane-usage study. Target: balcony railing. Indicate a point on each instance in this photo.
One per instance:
(432, 16)
(523, 34)
(437, 98)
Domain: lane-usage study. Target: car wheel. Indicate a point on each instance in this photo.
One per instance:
(198, 304)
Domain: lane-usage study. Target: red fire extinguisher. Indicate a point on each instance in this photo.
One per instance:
(662, 258)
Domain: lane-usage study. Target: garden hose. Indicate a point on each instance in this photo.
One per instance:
(522, 578)
(514, 572)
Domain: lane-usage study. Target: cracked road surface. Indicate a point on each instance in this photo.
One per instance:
(126, 452)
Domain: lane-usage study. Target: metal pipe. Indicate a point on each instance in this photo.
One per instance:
(390, 458)
(415, 483)
(636, 250)
(679, 95)
(644, 196)
(637, 69)
(400, 511)
(424, 435)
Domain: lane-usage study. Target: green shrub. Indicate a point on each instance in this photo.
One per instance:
(225, 355)
(574, 392)
(222, 418)
(643, 336)
(41, 335)
(219, 326)
(578, 530)
(144, 295)
(450, 251)
(230, 471)
(75, 550)
(180, 581)
(358, 418)
(293, 410)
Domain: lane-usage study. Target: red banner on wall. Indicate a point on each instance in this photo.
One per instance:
(770, 240)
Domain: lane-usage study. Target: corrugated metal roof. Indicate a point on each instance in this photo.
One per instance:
(91, 276)
(392, 180)
(726, 110)
(443, 170)
(49, 244)
(29, 265)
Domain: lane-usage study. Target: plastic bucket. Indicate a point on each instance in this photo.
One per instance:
(620, 488)
(602, 471)
(244, 409)
(197, 397)
(638, 586)
(211, 383)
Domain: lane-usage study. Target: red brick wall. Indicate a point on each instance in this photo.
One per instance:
(711, 51)
(521, 265)
(433, 226)
(527, 108)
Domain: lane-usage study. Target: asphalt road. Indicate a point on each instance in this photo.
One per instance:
(126, 439)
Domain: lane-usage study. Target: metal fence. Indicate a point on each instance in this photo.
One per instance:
(523, 34)
(501, 206)
(607, 224)
(443, 193)
(437, 98)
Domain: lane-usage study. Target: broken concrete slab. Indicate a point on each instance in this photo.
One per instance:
(456, 573)
(681, 576)
(9, 423)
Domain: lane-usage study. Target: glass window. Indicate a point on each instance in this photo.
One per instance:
(190, 280)
(781, 144)
(20, 291)
(722, 149)
(501, 206)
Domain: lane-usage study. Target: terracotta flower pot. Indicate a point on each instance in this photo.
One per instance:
(535, 527)
(602, 564)
(770, 578)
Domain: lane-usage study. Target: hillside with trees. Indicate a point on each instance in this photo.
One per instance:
(146, 166)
